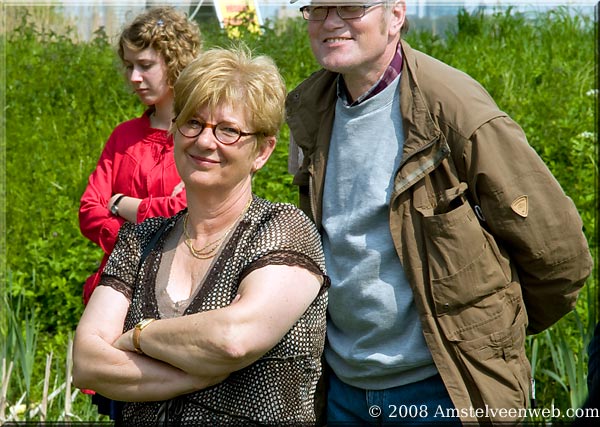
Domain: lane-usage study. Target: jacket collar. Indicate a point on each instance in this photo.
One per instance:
(419, 127)
(310, 112)
(312, 98)
(318, 94)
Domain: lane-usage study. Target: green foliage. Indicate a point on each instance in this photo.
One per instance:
(33, 390)
(559, 356)
(20, 341)
(571, 367)
(63, 99)
(539, 68)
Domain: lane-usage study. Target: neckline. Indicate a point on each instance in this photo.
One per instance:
(166, 307)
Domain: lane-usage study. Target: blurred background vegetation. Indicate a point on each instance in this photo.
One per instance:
(64, 97)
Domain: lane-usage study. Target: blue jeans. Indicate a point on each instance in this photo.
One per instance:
(423, 402)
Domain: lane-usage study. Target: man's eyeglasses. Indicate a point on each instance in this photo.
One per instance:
(320, 13)
(226, 133)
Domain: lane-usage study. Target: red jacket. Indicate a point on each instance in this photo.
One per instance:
(136, 161)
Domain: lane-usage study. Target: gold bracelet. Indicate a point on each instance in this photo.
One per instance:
(137, 332)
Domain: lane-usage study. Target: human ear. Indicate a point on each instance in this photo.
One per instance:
(398, 17)
(264, 152)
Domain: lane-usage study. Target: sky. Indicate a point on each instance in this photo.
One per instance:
(124, 9)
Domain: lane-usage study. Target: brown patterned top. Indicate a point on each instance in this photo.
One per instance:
(277, 389)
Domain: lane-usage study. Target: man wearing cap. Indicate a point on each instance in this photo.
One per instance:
(446, 237)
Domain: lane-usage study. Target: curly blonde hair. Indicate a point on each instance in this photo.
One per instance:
(169, 32)
(233, 77)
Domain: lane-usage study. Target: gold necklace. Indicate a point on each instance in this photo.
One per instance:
(210, 250)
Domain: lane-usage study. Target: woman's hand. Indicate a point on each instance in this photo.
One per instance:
(125, 341)
(112, 201)
(217, 342)
(178, 189)
(119, 372)
(128, 206)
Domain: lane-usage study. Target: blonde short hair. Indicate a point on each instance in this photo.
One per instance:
(169, 32)
(234, 78)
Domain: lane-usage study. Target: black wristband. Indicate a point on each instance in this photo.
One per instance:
(114, 209)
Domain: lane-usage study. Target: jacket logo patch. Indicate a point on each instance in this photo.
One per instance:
(520, 206)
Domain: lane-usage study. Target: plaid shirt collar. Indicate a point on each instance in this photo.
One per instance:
(393, 70)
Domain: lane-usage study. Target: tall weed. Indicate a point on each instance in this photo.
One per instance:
(62, 101)
(32, 390)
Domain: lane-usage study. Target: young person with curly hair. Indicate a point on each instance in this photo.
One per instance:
(135, 177)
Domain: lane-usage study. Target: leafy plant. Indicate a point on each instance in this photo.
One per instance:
(32, 390)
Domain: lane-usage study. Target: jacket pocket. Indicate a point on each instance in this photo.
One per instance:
(498, 369)
(478, 308)
(464, 261)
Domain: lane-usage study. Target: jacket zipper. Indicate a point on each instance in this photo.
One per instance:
(429, 163)
(310, 196)
(424, 147)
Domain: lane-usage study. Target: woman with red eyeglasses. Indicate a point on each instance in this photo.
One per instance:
(223, 305)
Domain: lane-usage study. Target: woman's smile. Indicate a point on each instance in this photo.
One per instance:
(203, 160)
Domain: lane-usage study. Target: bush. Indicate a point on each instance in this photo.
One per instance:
(62, 101)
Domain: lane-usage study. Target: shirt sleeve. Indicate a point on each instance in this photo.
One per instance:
(288, 237)
(161, 206)
(95, 221)
(530, 215)
(121, 268)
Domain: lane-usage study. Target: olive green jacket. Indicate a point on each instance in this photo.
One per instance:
(489, 241)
